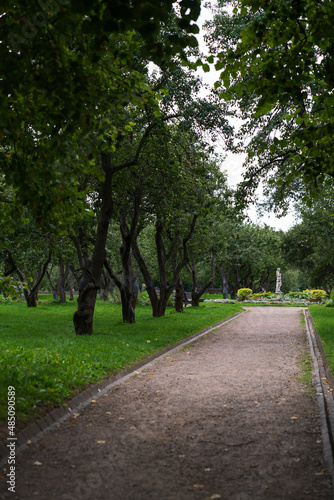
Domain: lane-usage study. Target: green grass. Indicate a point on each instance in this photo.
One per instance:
(323, 318)
(212, 296)
(47, 363)
(306, 366)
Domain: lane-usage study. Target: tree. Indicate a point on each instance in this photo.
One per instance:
(60, 90)
(102, 52)
(27, 255)
(278, 67)
(309, 245)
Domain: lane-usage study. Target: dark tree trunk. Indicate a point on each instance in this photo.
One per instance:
(129, 288)
(147, 279)
(237, 277)
(197, 292)
(32, 299)
(159, 304)
(83, 317)
(61, 281)
(179, 292)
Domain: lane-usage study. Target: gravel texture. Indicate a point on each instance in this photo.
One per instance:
(227, 417)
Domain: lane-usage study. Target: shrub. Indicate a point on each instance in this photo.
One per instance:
(318, 294)
(244, 293)
(299, 295)
(260, 295)
(143, 298)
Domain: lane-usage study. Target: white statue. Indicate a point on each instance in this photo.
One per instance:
(278, 280)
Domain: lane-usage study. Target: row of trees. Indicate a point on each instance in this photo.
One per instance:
(93, 139)
(223, 252)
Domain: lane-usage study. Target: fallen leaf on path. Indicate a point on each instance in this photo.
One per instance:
(101, 442)
(38, 463)
(294, 418)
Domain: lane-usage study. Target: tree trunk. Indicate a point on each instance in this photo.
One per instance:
(225, 278)
(32, 299)
(61, 281)
(179, 291)
(237, 276)
(83, 317)
(31, 295)
(197, 292)
(147, 279)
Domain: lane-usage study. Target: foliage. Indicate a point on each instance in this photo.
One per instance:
(299, 295)
(46, 363)
(318, 294)
(277, 65)
(71, 70)
(330, 303)
(260, 295)
(244, 293)
(11, 287)
(308, 246)
(143, 298)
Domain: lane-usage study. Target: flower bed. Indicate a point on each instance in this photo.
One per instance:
(305, 298)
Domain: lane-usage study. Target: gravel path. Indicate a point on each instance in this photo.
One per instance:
(225, 418)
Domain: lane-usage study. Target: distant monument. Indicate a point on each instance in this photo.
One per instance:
(278, 281)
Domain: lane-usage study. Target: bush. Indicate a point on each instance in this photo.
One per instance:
(330, 303)
(143, 298)
(244, 293)
(260, 295)
(318, 294)
(299, 295)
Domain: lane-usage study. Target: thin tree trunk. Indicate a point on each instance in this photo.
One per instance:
(179, 292)
(61, 281)
(31, 295)
(197, 292)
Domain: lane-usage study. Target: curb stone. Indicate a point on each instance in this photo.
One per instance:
(53, 419)
(324, 383)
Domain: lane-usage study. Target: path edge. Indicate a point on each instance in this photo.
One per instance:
(37, 429)
(323, 383)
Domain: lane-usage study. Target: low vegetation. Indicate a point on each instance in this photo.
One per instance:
(323, 318)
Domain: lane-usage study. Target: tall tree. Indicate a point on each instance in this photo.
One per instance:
(277, 66)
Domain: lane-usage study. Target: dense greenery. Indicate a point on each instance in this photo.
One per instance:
(276, 64)
(46, 364)
(109, 176)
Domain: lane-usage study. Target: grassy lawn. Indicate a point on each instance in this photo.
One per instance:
(47, 363)
(323, 318)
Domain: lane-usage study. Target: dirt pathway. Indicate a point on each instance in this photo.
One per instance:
(225, 418)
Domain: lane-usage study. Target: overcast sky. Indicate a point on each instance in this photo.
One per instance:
(233, 163)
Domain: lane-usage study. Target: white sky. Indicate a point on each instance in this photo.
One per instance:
(233, 163)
